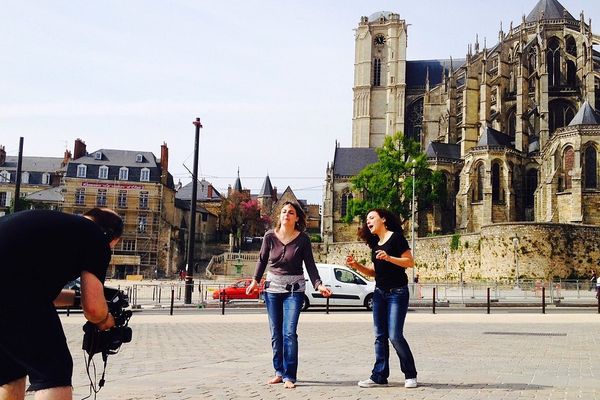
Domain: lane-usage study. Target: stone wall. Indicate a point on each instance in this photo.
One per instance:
(542, 251)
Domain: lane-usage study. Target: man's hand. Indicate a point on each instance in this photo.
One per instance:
(93, 302)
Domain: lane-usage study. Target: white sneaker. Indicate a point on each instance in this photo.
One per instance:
(369, 383)
(410, 383)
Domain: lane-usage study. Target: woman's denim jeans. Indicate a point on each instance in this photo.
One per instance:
(284, 311)
(389, 312)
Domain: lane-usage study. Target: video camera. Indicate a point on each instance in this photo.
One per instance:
(108, 342)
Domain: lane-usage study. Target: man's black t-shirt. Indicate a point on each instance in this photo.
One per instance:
(41, 250)
(388, 275)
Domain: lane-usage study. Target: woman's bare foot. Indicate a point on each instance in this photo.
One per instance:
(276, 379)
(289, 385)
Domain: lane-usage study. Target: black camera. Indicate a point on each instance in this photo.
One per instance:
(109, 342)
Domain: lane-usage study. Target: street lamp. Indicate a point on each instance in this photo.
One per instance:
(515, 246)
(189, 276)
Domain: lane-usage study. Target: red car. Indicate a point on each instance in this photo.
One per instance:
(238, 291)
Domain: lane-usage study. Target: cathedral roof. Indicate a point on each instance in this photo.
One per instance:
(416, 71)
(585, 116)
(350, 161)
(491, 137)
(267, 188)
(380, 14)
(443, 150)
(549, 9)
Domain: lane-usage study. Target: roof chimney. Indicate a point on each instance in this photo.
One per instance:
(2, 155)
(80, 149)
(66, 158)
(164, 158)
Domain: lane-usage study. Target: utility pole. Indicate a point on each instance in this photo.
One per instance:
(17, 199)
(189, 276)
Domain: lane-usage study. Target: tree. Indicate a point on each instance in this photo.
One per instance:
(240, 215)
(388, 182)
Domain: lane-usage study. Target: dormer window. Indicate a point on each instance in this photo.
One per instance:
(45, 178)
(81, 170)
(97, 155)
(139, 158)
(145, 175)
(103, 172)
(25, 177)
(123, 173)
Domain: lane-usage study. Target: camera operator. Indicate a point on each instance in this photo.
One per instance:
(40, 252)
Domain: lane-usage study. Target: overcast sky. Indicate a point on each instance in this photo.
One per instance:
(271, 80)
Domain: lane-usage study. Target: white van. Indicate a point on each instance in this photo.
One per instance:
(348, 287)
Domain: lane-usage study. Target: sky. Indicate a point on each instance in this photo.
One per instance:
(271, 80)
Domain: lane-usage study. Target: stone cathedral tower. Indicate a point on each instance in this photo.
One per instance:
(379, 79)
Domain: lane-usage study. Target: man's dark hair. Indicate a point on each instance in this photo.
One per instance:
(109, 221)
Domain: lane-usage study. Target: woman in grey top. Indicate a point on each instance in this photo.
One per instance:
(283, 250)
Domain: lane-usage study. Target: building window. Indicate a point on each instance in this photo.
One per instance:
(496, 198)
(478, 193)
(103, 172)
(145, 175)
(128, 245)
(79, 197)
(97, 155)
(143, 200)
(346, 197)
(81, 171)
(123, 173)
(139, 158)
(568, 164)
(560, 114)
(25, 177)
(45, 178)
(142, 223)
(4, 177)
(553, 62)
(377, 72)
(3, 198)
(591, 168)
(101, 198)
(122, 199)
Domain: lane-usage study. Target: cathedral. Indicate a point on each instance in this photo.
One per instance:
(512, 127)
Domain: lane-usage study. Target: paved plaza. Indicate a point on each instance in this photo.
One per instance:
(205, 355)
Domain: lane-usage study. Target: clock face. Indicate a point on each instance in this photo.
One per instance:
(379, 40)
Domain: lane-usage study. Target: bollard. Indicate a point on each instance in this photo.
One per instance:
(159, 293)
(68, 311)
(327, 305)
(598, 297)
(543, 300)
(179, 294)
(154, 293)
(172, 300)
(488, 300)
(222, 302)
(433, 301)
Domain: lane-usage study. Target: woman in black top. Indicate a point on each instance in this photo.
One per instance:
(391, 256)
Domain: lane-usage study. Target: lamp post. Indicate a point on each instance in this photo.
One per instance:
(412, 224)
(515, 246)
(189, 281)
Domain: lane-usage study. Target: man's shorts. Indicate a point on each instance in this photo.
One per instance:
(32, 343)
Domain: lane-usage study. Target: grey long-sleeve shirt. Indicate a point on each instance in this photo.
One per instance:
(286, 259)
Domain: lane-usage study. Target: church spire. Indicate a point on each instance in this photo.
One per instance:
(237, 186)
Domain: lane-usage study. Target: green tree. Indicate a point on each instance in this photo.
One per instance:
(388, 182)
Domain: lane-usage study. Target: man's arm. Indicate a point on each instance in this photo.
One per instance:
(66, 298)
(93, 302)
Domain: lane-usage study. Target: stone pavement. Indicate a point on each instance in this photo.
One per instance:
(458, 356)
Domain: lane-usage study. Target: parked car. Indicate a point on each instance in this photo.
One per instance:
(238, 291)
(348, 287)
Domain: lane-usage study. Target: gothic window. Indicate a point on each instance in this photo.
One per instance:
(377, 72)
(561, 113)
(346, 197)
(532, 59)
(414, 120)
(568, 164)
(590, 162)
(553, 62)
(531, 182)
(571, 46)
(571, 73)
(496, 194)
(512, 122)
(480, 176)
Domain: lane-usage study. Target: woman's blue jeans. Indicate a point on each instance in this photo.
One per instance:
(389, 313)
(284, 311)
